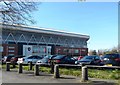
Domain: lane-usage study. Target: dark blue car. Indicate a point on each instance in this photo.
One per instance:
(63, 59)
(89, 60)
(111, 60)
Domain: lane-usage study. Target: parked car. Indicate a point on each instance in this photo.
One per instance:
(1, 59)
(90, 60)
(45, 60)
(15, 58)
(28, 59)
(63, 59)
(7, 58)
(111, 60)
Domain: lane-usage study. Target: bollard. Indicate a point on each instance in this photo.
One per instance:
(14, 66)
(82, 65)
(30, 65)
(56, 71)
(7, 66)
(52, 67)
(36, 70)
(84, 73)
(20, 69)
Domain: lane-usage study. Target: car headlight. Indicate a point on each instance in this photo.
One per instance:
(80, 63)
(76, 62)
(106, 59)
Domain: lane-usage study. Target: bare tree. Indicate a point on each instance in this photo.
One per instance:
(17, 11)
(92, 52)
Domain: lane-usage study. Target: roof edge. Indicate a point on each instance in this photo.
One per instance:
(44, 30)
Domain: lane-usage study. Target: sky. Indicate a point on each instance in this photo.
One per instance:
(99, 20)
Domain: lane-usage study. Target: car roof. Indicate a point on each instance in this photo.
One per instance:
(58, 56)
(114, 54)
(91, 56)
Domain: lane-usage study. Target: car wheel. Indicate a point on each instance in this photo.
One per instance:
(91, 63)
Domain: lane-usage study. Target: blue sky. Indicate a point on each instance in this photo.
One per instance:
(97, 19)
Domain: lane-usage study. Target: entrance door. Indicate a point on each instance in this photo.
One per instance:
(27, 50)
(48, 50)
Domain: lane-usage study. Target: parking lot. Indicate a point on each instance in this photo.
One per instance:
(28, 77)
(66, 75)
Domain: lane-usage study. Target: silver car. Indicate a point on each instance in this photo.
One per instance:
(28, 59)
(45, 60)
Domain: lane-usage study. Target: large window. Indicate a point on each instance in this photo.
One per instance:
(41, 50)
(35, 49)
(70, 51)
(65, 50)
(58, 50)
(76, 51)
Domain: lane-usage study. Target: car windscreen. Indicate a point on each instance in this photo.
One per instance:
(31, 57)
(37, 57)
(59, 57)
(10, 56)
(20, 56)
(47, 57)
(111, 56)
(88, 57)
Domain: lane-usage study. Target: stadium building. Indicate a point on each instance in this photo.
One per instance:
(25, 40)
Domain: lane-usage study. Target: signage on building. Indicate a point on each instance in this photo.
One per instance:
(1, 49)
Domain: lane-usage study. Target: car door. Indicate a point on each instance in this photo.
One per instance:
(68, 60)
(29, 59)
(36, 58)
(96, 60)
(65, 60)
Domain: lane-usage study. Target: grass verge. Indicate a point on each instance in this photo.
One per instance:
(92, 73)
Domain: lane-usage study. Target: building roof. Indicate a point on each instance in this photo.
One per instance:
(43, 30)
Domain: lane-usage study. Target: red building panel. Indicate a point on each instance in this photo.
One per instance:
(9, 49)
(71, 51)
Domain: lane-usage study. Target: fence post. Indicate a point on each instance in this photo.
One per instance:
(36, 70)
(84, 73)
(13, 64)
(7, 66)
(30, 65)
(56, 71)
(20, 69)
(52, 67)
(82, 65)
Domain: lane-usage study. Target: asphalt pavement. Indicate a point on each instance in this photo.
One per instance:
(28, 77)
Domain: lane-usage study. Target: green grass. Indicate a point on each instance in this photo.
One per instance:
(70, 71)
(104, 74)
(92, 73)
(118, 82)
(11, 67)
(45, 69)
